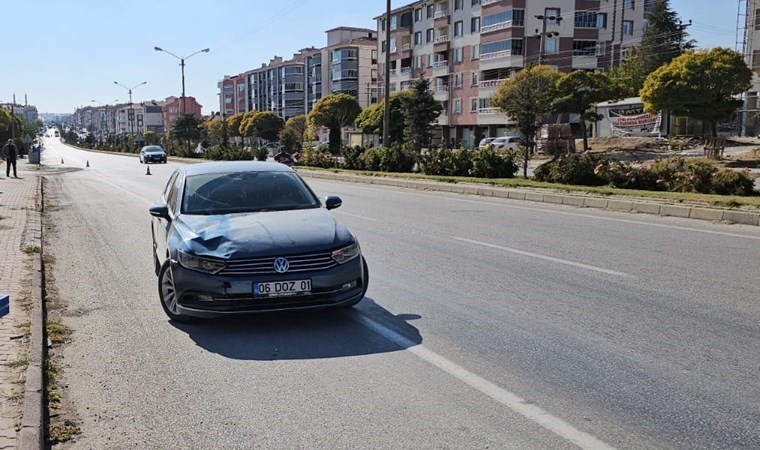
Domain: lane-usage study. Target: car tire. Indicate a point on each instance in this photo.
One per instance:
(353, 303)
(168, 295)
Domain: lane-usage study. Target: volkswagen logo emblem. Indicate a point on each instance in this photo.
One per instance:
(281, 265)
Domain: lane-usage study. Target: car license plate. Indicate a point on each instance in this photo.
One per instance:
(277, 288)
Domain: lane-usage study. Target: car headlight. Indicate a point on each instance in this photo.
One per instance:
(346, 254)
(200, 263)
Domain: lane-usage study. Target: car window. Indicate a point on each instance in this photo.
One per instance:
(169, 185)
(171, 199)
(240, 192)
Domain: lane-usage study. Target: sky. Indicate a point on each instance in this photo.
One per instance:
(65, 54)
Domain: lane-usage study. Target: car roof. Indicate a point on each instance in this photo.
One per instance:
(234, 166)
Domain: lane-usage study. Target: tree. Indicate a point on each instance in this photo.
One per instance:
(292, 135)
(526, 97)
(246, 123)
(150, 137)
(185, 128)
(264, 125)
(578, 91)
(629, 76)
(702, 85)
(335, 111)
(214, 129)
(664, 37)
(370, 120)
(233, 124)
(421, 110)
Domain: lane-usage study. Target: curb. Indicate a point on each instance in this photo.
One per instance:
(32, 436)
(610, 204)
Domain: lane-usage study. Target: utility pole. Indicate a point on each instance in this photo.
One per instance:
(387, 94)
(544, 34)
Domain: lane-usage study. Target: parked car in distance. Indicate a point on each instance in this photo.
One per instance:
(485, 142)
(250, 236)
(152, 153)
(506, 143)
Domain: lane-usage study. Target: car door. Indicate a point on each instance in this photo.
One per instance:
(162, 226)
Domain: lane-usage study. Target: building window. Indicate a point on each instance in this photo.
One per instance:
(458, 28)
(418, 62)
(550, 45)
(510, 17)
(589, 19)
(393, 45)
(474, 104)
(394, 22)
(458, 55)
(476, 51)
(584, 48)
(628, 27)
(430, 11)
(457, 106)
(475, 25)
(458, 80)
(430, 35)
(418, 14)
(418, 38)
(648, 5)
(757, 19)
(629, 4)
(475, 2)
(475, 78)
(458, 5)
(374, 74)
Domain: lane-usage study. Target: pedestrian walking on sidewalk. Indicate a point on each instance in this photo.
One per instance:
(9, 154)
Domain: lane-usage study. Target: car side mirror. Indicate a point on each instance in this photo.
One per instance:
(160, 211)
(332, 202)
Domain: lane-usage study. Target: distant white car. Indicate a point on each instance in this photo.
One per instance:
(484, 142)
(506, 143)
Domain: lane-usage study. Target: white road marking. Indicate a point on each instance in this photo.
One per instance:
(512, 401)
(546, 258)
(357, 216)
(403, 191)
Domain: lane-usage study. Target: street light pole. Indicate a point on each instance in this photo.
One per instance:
(387, 75)
(544, 34)
(182, 66)
(131, 117)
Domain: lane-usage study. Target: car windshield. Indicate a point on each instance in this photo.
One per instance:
(245, 192)
(153, 150)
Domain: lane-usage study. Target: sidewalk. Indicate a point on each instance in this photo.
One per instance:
(19, 230)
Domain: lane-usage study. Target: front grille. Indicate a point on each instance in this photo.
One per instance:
(265, 266)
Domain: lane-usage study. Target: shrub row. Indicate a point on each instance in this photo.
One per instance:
(674, 174)
(482, 163)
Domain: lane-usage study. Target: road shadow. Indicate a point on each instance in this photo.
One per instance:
(318, 334)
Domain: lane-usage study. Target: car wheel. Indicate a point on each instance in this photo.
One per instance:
(168, 295)
(365, 269)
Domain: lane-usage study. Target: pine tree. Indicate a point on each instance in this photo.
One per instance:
(665, 37)
(421, 109)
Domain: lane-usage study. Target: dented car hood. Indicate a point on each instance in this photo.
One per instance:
(252, 235)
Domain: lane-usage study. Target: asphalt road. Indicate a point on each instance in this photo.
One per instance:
(488, 324)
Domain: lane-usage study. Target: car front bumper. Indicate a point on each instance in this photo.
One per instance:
(207, 295)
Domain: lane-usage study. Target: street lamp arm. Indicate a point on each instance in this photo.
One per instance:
(159, 49)
(205, 50)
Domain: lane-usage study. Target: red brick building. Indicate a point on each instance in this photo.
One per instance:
(173, 108)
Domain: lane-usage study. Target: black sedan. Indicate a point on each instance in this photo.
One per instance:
(152, 153)
(245, 237)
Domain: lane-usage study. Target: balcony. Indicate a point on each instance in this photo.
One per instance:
(490, 83)
(406, 47)
(488, 2)
(441, 66)
(504, 58)
(441, 13)
(489, 111)
(441, 39)
(441, 92)
(443, 119)
(497, 26)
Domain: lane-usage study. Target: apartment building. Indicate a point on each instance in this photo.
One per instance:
(233, 94)
(172, 108)
(291, 87)
(467, 47)
(750, 28)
